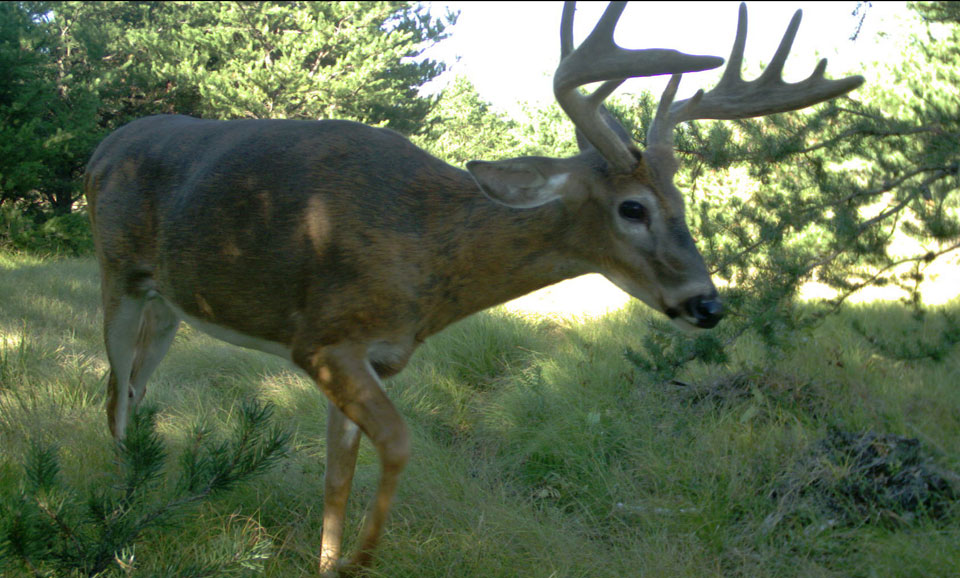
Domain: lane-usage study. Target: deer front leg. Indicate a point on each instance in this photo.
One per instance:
(344, 374)
(343, 441)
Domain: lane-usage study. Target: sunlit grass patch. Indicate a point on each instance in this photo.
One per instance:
(12, 260)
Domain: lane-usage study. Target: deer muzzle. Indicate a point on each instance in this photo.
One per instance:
(706, 311)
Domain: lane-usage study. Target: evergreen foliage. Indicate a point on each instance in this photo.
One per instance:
(314, 60)
(463, 127)
(67, 234)
(48, 113)
(49, 528)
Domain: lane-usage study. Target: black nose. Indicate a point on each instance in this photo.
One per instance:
(708, 311)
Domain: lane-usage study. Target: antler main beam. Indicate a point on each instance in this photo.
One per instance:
(600, 59)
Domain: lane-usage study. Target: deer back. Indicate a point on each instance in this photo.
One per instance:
(269, 227)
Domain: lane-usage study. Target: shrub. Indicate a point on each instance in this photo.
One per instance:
(66, 235)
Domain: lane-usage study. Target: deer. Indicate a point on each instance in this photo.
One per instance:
(342, 247)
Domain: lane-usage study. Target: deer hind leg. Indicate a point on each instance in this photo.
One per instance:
(158, 327)
(344, 374)
(121, 325)
(138, 332)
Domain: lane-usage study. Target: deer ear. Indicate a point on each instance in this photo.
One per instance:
(519, 183)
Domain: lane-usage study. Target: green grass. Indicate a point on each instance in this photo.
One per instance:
(539, 449)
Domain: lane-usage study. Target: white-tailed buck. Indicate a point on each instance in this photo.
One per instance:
(343, 247)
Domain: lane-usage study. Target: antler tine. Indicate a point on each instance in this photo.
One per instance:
(735, 63)
(566, 29)
(605, 27)
(774, 70)
(661, 130)
(598, 59)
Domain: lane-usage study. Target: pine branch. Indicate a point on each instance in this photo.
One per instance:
(940, 172)
(860, 131)
(89, 545)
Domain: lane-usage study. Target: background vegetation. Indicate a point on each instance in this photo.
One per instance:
(800, 438)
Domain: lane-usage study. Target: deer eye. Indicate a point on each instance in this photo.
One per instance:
(633, 211)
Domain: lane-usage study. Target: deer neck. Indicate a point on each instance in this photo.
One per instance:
(500, 254)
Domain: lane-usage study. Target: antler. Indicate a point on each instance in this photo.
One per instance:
(736, 98)
(599, 58)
